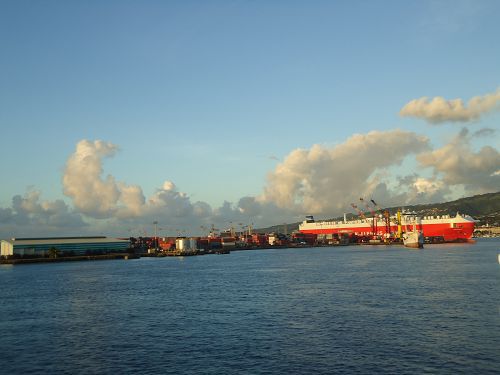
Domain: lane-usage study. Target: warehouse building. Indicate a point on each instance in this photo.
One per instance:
(36, 247)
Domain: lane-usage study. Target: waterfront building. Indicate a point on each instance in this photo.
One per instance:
(34, 247)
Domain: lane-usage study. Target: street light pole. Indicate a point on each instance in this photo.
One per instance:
(156, 234)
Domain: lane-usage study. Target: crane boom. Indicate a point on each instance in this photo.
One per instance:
(367, 206)
(360, 213)
(374, 216)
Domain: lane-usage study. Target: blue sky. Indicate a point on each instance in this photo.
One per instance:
(214, 95)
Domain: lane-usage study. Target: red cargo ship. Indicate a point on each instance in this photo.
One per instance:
(450, 229)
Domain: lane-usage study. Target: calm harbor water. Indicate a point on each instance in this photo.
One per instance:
(358, 309)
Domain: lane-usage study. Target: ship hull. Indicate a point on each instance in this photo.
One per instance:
(414, 240)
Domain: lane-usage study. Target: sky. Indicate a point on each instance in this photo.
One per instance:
(117, 114)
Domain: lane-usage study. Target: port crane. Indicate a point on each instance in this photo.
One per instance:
(386, 215)
(360, 213)
(387, 218)
(213, 231)
(374, 216)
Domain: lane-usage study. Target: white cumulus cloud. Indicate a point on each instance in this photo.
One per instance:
(91, 194)
(28, 215)
(456, 163)
(103, 197)
(439, 109)
(324, 179)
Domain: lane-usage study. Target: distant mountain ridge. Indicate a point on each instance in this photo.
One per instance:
(483, 207)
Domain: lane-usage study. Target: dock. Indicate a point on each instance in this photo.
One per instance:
(124, 256)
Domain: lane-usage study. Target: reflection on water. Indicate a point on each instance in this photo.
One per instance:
(323, 310)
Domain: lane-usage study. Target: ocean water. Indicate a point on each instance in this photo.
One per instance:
(357, 309)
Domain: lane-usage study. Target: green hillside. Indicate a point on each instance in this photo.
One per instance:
(484, 207)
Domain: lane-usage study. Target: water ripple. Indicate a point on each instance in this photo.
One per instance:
(325, 310)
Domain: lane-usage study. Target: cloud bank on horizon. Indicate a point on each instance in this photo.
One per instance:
(320, 180)
(439, 110)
